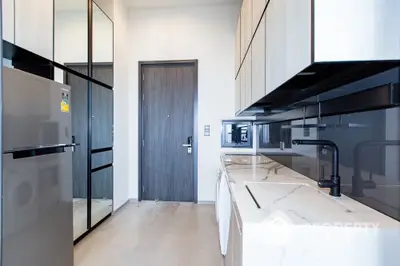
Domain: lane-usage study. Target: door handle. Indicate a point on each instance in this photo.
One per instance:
(188, 145)
(189, 142)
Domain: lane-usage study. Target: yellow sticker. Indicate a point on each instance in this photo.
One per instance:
(64, 107)
(64, 101)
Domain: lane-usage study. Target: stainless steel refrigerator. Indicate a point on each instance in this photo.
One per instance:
(37, 171)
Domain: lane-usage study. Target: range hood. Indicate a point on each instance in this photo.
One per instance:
(321, 45)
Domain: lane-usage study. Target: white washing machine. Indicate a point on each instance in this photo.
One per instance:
(224, 212)
(217, 187)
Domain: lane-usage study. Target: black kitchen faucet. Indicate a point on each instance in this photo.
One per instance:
(334, 183)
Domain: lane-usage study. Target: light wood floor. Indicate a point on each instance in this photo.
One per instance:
(147, 234)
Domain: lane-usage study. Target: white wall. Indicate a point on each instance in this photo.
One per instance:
(206, 33)
(121, 104)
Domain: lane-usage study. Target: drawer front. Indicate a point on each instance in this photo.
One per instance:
(102, 158)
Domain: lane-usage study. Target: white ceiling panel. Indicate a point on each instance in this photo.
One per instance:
(174, 3)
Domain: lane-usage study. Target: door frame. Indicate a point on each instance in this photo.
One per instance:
(142, 64)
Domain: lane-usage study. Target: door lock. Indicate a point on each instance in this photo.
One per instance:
(188, 145)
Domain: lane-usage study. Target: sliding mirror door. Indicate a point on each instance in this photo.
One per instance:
(71, 50)
(102, 117)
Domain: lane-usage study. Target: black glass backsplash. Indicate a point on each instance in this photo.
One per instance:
(369, 148)
(370, 152)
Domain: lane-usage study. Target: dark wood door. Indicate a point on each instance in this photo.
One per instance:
(79, 119)
(167, 123)
(102, 129)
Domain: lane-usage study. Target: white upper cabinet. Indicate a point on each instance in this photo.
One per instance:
(246, 21)
(258, 8)
(237, 94)
(243, 46)
(298, 38)
(296, 34)
(288, 40)
(275, 44)
(34, 26)
(8, 20)
(356, 30)
(237, 48)
(243, 87)
(248, 67)
(258, 62)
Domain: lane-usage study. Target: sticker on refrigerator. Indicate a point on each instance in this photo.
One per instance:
(64, 101)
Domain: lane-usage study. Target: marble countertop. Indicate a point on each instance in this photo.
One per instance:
(291, 197)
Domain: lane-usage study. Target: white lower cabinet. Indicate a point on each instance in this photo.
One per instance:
(235, 248)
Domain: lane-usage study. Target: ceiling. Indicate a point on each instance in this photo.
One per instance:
(174, 3)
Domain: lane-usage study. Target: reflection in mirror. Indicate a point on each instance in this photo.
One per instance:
(271, 136)
(71, 49)
(102, 189)
(79, 123)
(236, 134)
(107, 6)
(70, 34)
(102, 45)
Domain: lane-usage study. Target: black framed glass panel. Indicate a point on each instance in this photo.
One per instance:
(79, 121)
(272, 136)
(103, 42)
(236, 134)
(71, 34)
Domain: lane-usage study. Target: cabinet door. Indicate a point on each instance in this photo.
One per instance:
(238, 58)
(34, 26)
(258, 63)
(243, 85)
(237, 236)
(297, 36)
(243, 47)
(258, 8)
(237, 94)
(248, 77)
(8, 20)
(249, 21)
(275, 44)
(288, 40)
(230, 254)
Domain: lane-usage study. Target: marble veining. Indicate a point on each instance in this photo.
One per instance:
(298, 223)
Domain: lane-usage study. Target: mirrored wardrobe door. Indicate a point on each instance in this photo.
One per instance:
(102, 117)
(103, 45)
(71, 50)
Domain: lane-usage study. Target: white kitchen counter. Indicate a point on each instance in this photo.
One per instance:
(297, 223)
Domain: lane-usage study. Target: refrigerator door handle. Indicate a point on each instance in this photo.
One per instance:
(35, 151)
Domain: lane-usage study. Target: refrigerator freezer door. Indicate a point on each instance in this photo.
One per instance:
(37, 189)
(36, 111)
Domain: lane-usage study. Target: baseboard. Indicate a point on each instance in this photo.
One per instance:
(120, 207)
(206, 202)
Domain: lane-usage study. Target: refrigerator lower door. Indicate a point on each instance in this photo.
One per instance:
(37, 208)
(37, 172)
